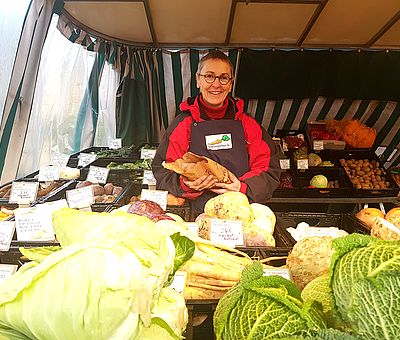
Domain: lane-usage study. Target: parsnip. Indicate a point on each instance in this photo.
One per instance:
(212, 270)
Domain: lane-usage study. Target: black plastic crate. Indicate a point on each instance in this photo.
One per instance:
(292, 138)
(286, 191)
(340, 185)
(392, 188)
(345, 222)
(183, 211)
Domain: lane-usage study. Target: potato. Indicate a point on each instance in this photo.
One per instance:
(117, 190)
(108, 198)
(98, 190)
(98, 199)
(108, 188)
(83, 184)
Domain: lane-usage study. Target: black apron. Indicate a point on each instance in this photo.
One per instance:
(235, 159)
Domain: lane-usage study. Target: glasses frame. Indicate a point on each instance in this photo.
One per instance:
(215, 77)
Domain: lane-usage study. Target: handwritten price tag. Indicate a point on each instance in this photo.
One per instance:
(158, 196)
(302, 164)
(59, 159)
(228, 232)
(285, 164)
(116, 143)
(284, 272)
(147, 153)
(23, 192)
(97, 174)
(6, 270)
(318, 145)
(49, 173)
(316, 231)
(7, 229)
(34, 224)
(86, 159)
(179, 281)
(148, 177)
(80, 198)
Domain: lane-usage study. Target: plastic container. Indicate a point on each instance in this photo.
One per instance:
(345, 222)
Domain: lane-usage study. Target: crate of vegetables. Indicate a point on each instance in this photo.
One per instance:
(320, 138)
(291, 139)
(369, 178)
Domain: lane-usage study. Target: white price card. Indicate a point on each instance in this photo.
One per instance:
(148, 177)
(318, 145)
(23, 192)
(179, 281)
(34, 224)
(59, 159)
(147, 153)
(54, 206)
(7, 229)
(285, 164)
(116, 143)
(321, 231)
(284, 272)
(49, 173)
(97, 174)
(80, 198)
(228, 232)
(158, 196)
(302, 164)
(86, 159)
(6, 270)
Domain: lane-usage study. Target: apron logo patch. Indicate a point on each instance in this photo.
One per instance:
(219, 142)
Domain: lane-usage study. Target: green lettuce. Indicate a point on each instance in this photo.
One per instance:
(264, 307)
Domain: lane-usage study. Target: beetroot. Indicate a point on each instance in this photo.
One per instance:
(158, 217)
(145, 207)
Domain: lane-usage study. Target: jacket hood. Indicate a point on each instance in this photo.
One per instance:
(192, 105)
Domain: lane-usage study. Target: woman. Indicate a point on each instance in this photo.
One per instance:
(214, 125)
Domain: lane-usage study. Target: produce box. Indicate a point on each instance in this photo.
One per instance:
(395, 173)
(366, 173)
(291, 139)
(183, 211)
(345, 222)
(339, 184)
(318, 137)
(288, 186)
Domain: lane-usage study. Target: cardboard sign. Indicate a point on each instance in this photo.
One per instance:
(34, 224)
(284, 272)
(302, 164)
(320, 231)
(116, 143)
(6, 270)
(228, 232)
(318, 145)
(23, 192)
(80, 198)
(86, 159)
(158, 196)
(285, 164)
(59, 159)
(179, 281)
(147, 153)
(97, 174)
(7, 229)
(49, 173)
(148, 177)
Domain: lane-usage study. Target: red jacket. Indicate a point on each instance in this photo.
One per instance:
(258, 183)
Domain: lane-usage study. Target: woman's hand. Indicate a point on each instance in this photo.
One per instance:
(221, 188)
(200, 184)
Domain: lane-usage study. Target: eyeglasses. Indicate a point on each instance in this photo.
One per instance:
(210, 78)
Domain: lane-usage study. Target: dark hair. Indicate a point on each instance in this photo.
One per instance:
(215, 54)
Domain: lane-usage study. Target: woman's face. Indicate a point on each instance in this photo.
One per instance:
(214, 94)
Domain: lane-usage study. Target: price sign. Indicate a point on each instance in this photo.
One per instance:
(7, 229)
(59, 159)
(86, 159)
(116, 143)
(193, 227)
(53, 206)
(158, 196)
(80, 198)
(318, 145)
(34, 224)
(228, 232)
(302, 164)
(285, 164)
(147, 153)
(49, 173)
(97, 174)
(148, 177)
(179, 281)
(316, 231)
(285, 146)
(23, 192)
(6, 270)
(284, 272)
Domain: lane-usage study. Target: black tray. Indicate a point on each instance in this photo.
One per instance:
(288, 192)
(369, 154)
(345, 222)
